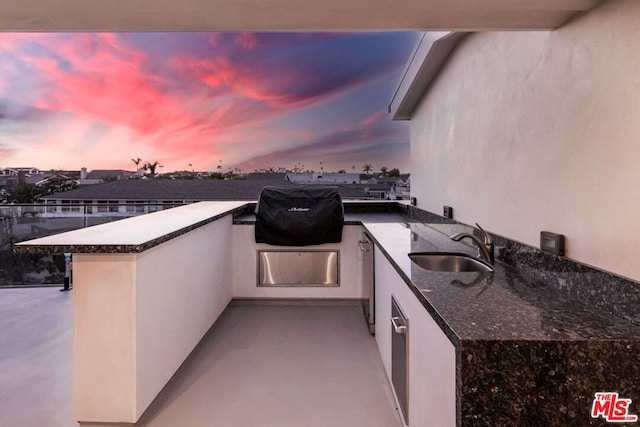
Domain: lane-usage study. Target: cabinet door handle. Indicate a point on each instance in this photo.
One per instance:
(363, 245)
(398, 329)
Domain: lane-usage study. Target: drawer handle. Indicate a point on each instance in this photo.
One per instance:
(364, 245)
(398, 329)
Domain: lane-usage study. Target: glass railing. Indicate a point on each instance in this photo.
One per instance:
(19, 223)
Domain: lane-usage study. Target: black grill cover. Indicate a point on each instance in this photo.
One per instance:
(299, 216)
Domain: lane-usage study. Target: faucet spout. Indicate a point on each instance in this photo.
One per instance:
(485, 245)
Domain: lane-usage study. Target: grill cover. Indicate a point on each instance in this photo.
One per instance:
(299, 216)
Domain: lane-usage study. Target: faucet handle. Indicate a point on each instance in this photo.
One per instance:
(488, 240)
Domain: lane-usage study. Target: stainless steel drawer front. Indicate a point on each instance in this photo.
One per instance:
(298, 268)
(399, 357)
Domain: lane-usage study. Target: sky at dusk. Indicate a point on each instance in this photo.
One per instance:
(243, 100)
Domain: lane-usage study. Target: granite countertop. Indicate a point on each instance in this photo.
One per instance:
(134, 235)
(498, 306)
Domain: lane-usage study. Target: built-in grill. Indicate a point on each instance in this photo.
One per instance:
(299, 216)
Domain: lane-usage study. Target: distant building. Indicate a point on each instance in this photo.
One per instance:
(10, 177)
(27, 171)
(149, 195)
(266, 176)
(98, 176)
(6, 182)
(59, 177)
(401, 189)
(392, 188)
(380, 180)
(323, 178)
(377, 191)
(271, 170)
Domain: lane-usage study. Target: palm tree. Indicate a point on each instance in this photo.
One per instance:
(394, 173)
(367, 168)
(151, 167)
(137, 162)
(384, 170)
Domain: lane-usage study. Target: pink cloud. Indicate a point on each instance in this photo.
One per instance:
(240, 95)
(197, 99)
(215, 73)
(105, 82)
(6, 152)
(227, 78)
(374, 118)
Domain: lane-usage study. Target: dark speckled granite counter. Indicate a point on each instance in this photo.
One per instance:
(133, 235)
(527, 353)
(498, 306)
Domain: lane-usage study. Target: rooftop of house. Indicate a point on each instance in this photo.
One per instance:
(186, 189)
(266, 176)
(7, 180)
(27, 169)
(325, 174)
(106, 173)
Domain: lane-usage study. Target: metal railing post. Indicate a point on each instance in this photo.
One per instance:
(68, 271)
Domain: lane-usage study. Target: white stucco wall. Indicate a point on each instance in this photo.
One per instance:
(138, 316)
(104, 379)
(182, 287)
(531, 131)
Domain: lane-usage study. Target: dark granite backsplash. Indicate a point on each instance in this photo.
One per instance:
(614, 294)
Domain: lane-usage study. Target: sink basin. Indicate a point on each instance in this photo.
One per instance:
(451, 262)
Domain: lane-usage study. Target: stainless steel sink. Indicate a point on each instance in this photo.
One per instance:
(451, 262)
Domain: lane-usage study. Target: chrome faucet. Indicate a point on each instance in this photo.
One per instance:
(485, 246)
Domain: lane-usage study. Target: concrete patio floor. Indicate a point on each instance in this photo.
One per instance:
(259, 365)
